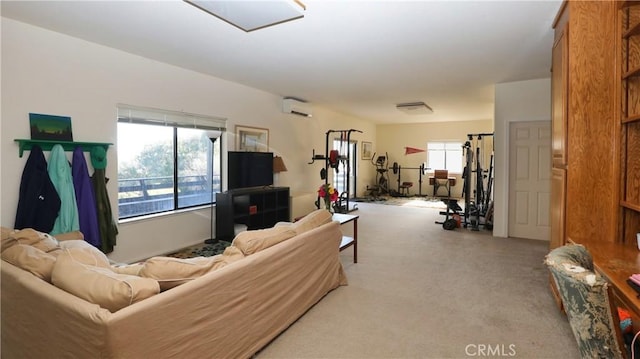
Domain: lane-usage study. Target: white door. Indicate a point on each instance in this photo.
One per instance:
(529, 179)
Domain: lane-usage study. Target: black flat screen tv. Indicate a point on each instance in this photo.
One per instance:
(249, 169)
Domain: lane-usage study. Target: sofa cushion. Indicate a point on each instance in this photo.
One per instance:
(30, 236)
(31, 259)
(250, 242)
(312, 220)
(232, 254)
(5, 239)
(284, 224)
(35, 238)
(75, 235)
(99, 285)
(87, 253)
(171, 272)
(131, 269)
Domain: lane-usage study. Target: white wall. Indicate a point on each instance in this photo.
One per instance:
(394, 138)
(51, 73)
(514, 102)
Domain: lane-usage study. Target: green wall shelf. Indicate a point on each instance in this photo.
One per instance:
(27, 145)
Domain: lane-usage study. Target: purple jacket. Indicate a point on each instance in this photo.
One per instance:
(85, 198)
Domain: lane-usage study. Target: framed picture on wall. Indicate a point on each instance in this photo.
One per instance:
(252, 139)
(367, 150)
(50, 127)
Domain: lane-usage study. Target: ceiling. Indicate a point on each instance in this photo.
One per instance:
(360, 58)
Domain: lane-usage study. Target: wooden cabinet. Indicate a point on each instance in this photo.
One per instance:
(559, 94)
(630, 123)
(584, 123)
(256, 208)
(596, 145)
(559, 77)
(558, 206)
(601, 137)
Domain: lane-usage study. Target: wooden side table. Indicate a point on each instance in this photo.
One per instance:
(346, 240)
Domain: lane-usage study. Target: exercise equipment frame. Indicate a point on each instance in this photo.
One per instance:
(397, 169)
(481, 206)
(330, 161)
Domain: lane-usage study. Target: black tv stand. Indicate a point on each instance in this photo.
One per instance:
(257, 208)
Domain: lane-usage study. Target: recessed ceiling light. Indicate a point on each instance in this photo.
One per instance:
(252, 15)
(415, 108)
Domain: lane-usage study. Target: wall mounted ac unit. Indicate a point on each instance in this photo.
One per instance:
(297, 107)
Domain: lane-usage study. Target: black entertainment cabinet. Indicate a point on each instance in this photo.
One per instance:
(257, 208)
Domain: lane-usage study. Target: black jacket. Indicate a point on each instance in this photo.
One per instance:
(38, 201)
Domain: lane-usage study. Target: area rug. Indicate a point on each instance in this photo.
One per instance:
(201, 250)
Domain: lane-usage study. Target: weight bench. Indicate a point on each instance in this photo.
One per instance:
(404, 188)
(441, 178)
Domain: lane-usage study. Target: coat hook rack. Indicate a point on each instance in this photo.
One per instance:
(46, 145)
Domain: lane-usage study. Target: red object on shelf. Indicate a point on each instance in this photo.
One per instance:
(253, 209)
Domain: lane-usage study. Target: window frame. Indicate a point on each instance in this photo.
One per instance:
(446, 151)
(215, 128)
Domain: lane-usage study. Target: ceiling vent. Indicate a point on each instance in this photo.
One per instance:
(415, 108)
(297, 107)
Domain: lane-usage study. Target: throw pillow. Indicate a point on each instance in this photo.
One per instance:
(87, 253)
(40, 240)
(99, 285)
(31, 259)
(171, 272)
(312, 220)
(250, 242)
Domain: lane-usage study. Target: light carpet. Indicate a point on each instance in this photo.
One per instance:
(419, 291)
(412, 201)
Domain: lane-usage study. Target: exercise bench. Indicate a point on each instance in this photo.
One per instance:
(404, 188)
(441, 178)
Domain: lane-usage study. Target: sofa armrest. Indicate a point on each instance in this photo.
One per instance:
(75, 235)
(283, 224)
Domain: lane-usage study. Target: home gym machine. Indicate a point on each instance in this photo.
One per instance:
(452, 219)
(382, 176)
(333, 159)
(478, 205)
(478, 210)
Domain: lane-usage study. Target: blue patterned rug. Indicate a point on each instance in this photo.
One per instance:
(201, 250)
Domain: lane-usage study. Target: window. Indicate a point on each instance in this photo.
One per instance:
(340, 176)
(166, 160)
(445, 156)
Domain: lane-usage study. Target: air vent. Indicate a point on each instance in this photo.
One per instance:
(415, 108)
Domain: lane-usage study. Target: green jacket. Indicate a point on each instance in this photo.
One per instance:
(60, 174)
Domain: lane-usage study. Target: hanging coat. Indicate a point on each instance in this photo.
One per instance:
(38, 201)
(60, 174)
(108, 228)
(85, 199)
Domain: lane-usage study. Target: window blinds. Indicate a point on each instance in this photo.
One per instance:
(152, 116)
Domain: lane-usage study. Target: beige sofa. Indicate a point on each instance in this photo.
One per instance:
(230, 312)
